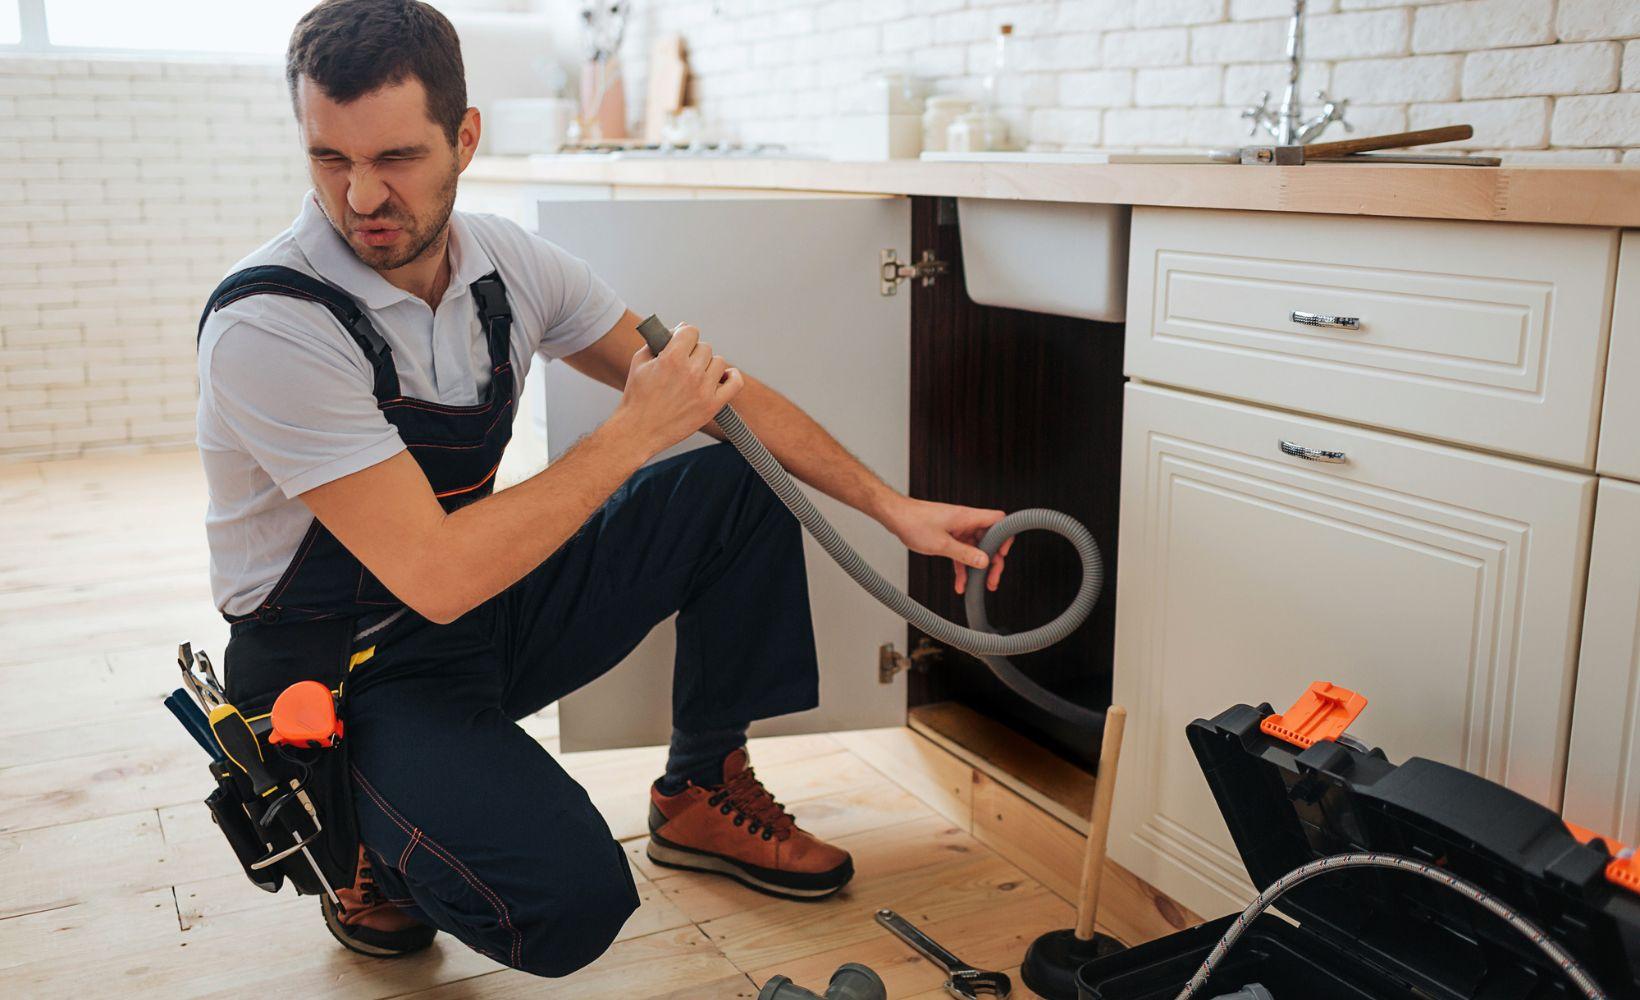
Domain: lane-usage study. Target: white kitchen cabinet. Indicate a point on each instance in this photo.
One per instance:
(1603, 770)
(517, 201)
(1444, 585)
(787, 289)
(1478, 333)
(1620, 421)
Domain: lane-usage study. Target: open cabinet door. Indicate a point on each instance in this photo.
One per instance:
(788, 289)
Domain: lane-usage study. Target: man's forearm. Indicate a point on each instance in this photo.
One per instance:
(485, 547)
(807, 450)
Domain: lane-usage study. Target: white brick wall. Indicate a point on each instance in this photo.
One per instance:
(1176, 72)
(128, 186)
(1483, 24)
(1572, 68)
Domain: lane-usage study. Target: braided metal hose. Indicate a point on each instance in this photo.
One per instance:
(979, 638)
(1304, 873)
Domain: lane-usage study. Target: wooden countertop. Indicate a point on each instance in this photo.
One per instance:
(1568, 195)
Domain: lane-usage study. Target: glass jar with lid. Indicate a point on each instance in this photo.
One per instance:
(976, 132)
(941, 111)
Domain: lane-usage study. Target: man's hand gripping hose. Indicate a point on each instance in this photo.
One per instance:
(978, 637)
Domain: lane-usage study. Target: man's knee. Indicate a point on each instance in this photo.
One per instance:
(576, 919)
(728, 466)
(546, 904)
(721, 462)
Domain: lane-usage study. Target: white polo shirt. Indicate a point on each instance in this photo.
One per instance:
(285, 400)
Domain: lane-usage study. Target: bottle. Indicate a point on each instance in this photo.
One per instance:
(983, 128)
(1000, 61)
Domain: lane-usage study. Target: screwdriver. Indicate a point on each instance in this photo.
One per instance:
(241, 746)
(193, 720)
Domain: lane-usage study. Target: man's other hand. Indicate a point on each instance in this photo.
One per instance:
(942, 529)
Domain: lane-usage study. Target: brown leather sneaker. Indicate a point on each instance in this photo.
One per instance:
(370, 925)
(738, 829)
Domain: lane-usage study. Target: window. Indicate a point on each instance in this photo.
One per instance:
(174, 25)
(261, 27)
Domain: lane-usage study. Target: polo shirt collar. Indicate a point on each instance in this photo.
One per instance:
(468, 261)
(335, 261)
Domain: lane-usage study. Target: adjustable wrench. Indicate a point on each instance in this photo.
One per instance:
(965, 982)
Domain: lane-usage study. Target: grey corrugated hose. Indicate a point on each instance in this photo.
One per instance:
(978, 638)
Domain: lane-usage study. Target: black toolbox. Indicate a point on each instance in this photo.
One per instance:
(1377, 934)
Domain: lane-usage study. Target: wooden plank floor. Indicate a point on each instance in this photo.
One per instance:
(112, 879)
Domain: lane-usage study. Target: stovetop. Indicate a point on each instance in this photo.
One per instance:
(699, 150)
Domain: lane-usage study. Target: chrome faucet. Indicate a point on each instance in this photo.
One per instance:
(1287, 125)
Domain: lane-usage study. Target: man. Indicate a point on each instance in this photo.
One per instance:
(357, 380)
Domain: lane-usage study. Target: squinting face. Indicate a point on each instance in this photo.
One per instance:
(383, 170)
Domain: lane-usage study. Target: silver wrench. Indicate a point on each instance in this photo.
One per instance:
(965, 981)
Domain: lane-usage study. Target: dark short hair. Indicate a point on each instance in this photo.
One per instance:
(350, 48)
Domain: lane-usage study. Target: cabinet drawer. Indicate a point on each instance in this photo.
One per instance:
(1480, 333)
(1445, 585)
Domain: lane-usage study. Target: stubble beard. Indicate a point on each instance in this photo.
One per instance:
(420, 236)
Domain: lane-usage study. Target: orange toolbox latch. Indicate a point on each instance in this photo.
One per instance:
(1624, 867)
(1322, 713)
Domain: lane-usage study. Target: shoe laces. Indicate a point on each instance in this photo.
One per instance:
(365, 881)
(744, 795)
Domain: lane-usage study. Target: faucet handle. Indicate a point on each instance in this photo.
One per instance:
(1257, 114)
(1333, 111)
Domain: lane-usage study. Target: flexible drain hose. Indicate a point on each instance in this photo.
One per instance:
(1555, 953)
(979, 638)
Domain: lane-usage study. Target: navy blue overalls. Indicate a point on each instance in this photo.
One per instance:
(471, 824)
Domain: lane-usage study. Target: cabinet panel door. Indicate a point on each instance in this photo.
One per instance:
(788, 289)
(1620, 420)
(1603, 770)
(1444, 585)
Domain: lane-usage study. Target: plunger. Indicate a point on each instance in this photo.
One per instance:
(1052, 961)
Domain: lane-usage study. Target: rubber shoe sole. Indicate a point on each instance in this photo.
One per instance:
(406, 942)
(669, 855)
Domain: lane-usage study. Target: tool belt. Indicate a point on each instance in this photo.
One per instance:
(265, 829)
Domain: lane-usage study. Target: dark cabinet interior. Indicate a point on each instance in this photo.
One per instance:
(1013, 409)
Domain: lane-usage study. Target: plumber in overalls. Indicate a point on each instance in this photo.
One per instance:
(359, 375)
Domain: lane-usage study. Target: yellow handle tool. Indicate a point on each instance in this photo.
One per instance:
(244, 750)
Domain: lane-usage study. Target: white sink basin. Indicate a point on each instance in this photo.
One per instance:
(1067, 259)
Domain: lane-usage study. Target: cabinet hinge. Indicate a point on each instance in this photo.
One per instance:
(891, 662)
(893, 270)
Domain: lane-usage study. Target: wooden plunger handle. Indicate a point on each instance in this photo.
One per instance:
(1104, 790)
(1400, 140)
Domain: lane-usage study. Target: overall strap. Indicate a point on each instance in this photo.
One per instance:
(274, 279)
(491, 296)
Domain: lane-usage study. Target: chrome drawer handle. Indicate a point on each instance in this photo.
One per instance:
(1313, 454)
(1326, 320)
